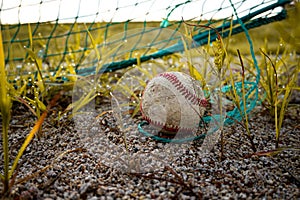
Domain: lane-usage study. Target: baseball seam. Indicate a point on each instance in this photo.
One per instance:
(184, 91)
(168, 128)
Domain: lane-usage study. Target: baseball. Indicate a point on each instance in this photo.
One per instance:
(173, 101)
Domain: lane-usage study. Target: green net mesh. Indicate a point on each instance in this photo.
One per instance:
(60, 29)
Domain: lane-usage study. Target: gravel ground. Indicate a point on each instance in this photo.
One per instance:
(69, 162)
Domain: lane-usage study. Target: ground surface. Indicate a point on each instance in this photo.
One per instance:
(61, 165)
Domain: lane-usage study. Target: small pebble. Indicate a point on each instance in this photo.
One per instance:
(87, 165)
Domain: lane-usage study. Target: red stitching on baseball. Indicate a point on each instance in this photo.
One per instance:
(171, 128)
(184, 91)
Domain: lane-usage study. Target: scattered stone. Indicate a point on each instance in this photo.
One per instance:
(87, 167)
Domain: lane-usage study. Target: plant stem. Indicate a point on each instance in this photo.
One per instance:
(221, 117)
(245, 115)
(5, 151)
(5, 105)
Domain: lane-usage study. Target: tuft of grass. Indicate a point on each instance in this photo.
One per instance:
(5, 106)
(29, 85)
(278, 84)
(217, 69)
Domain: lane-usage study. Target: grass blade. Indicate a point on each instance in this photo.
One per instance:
(5, 107)
(30, 136)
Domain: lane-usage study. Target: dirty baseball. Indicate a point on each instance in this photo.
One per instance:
(173, 101)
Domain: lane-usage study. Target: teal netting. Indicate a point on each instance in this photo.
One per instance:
(62, 39)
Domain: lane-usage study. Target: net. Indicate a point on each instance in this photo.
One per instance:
(64, 42)
(60, 30)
